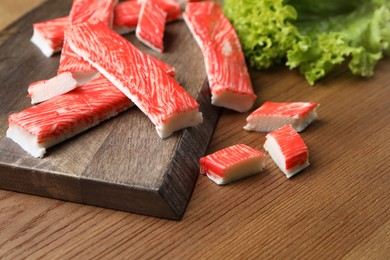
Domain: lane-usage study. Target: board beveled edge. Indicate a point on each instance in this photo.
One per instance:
(169, 201)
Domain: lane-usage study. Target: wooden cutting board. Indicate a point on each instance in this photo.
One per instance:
(122, 163)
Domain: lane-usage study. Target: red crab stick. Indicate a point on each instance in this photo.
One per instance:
(272, 115)
(171, 7)
(151, 25)
(232, 163)
(156, 93)
(40, 127)
(48, 36)
(227, 73)
(126, 16)
(287, 150)
(45, 89)
(84, 11)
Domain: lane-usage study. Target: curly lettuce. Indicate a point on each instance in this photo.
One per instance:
(313, 36)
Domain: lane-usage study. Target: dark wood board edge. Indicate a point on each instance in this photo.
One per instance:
(178, 185)
(169, 201)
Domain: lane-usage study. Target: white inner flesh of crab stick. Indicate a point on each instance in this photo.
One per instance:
(40, 127)
(46, 89)
(155, 93)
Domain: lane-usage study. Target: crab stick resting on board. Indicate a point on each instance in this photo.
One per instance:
(287, 150)
(42, 126)
(232, 163)
(151, 25)
(45, 89)
(272, 115)
(85, 11)
(126, 16)
(226, 69)
(137, 75)
(171, 7)
(48, 36)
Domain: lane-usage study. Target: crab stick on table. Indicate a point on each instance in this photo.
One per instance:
(232, 163)
(287, 150)
(226, 69)
(48, 36)
(151, 25)
(44, 125)
(171, 7)
(45, 89)
(137, 75)
(272, 115)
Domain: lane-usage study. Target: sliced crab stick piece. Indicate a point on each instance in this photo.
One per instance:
(226, 69)
(272, 115)
(156, 94)
(287, 150)
(232, 163)
(46, 89)
(171, 7)
(48, 36)
(126, 16)
(42, 126)
(151, 25)
(84, 11)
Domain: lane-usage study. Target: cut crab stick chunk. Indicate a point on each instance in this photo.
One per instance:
(46, 89)
(42, 126)
(156, 94)
(84, 11)
(171, 7)
(232, 163)
(151, 25)
(287, 150)
(48, 36)
(226, 69)
(272, 115)
(126, 16)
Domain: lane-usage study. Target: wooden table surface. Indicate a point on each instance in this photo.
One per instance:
(337, 208)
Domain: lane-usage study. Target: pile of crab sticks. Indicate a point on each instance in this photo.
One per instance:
(101, 74)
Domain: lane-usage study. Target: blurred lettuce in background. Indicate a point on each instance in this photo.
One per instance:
(313, 36)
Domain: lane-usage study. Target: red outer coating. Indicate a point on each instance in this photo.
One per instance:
(86, 105)
(292, 146)
(227, 157)
(127, 14)
(225, 63)
(156, 93)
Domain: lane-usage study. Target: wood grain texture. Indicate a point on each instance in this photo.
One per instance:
(122, 164)
(338, 208)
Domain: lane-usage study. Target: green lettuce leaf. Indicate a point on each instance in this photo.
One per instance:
(313, 36)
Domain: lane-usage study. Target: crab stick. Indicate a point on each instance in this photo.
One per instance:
(158, 95)
(45, 89)
(171, 7)
(232, 163)
(272, 115)
(48, 36)
(226, 69)
(42, 126)
(287, 150)
(151, 25)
